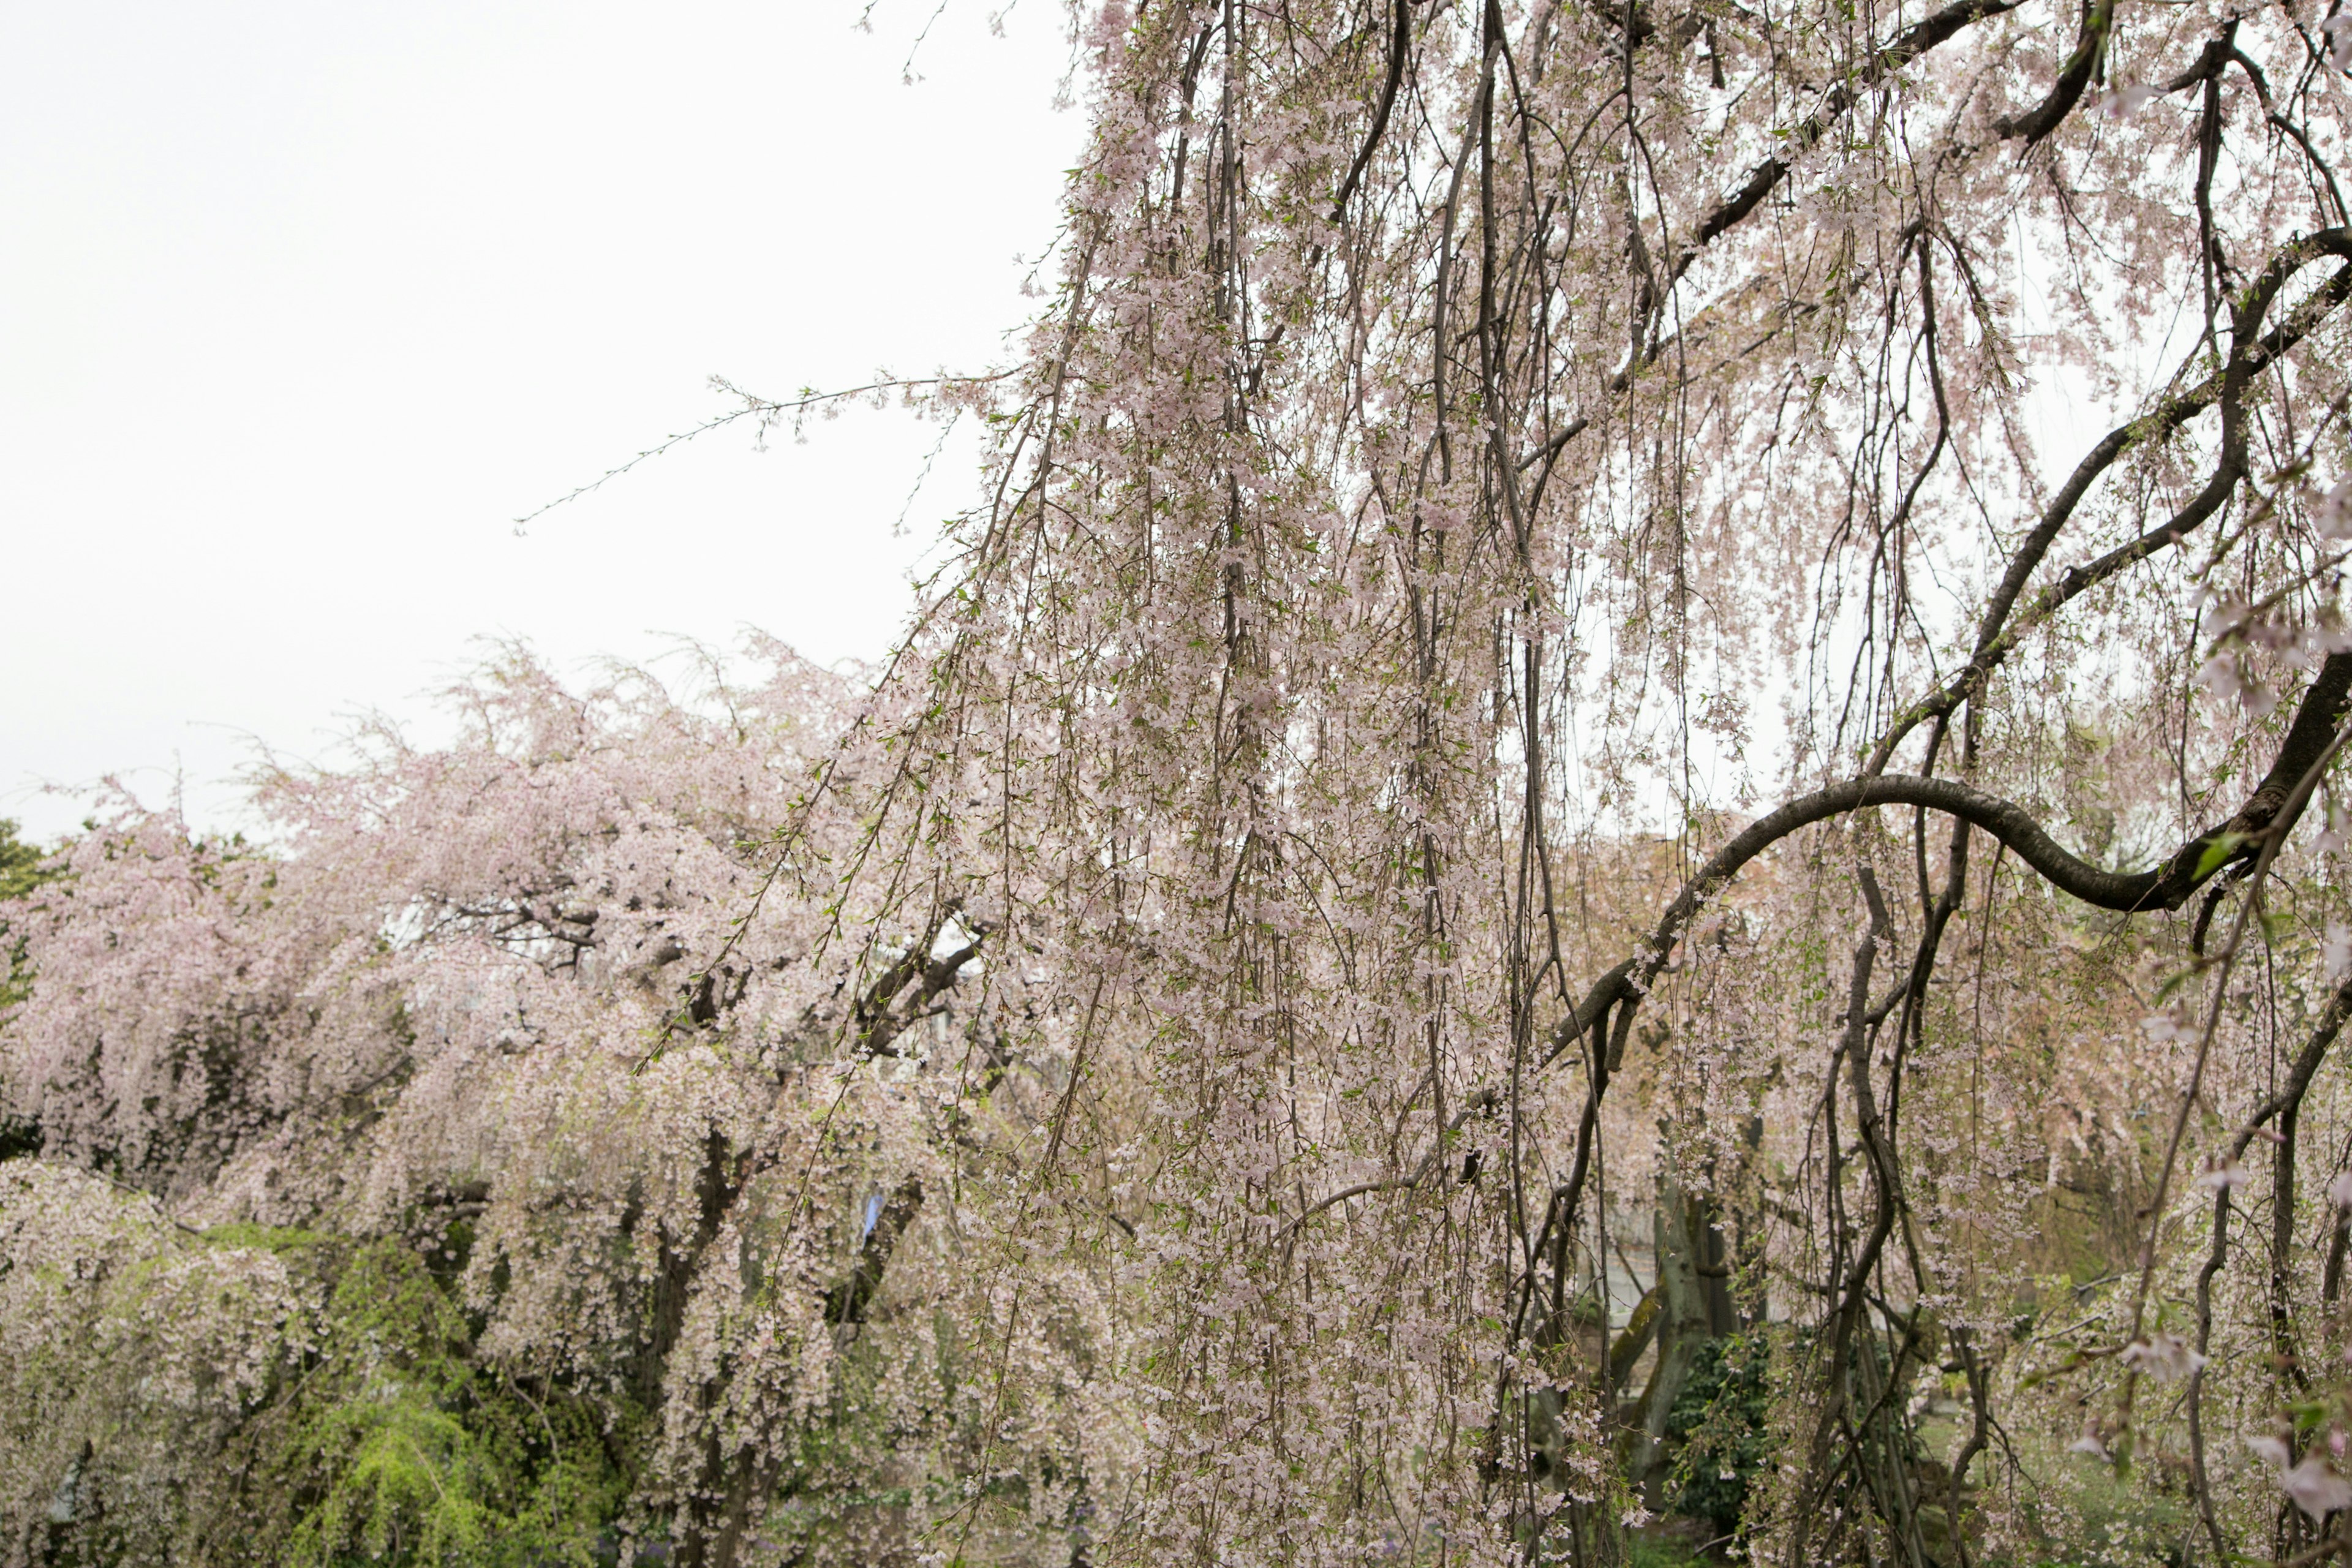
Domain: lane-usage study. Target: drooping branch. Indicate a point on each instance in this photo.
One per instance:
(1766, 177)
(1856, 1256)
(1400, 46)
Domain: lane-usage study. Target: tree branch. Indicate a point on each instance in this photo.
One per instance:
(2166, 887)
(1909, 44)
(1997, 634)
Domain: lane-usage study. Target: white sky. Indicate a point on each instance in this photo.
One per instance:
(300, 305)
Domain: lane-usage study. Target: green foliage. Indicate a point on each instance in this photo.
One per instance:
(21, 871)
(291, 1398)
(394, 1445)
(1718, 1422)
(2080, 1513)
(20, 863)
(1646, 1552)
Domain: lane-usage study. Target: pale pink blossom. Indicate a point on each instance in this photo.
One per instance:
(2163, 1355)
(2338, 30)
(2221, 1175)
(2120, 101)
(2316, 1488)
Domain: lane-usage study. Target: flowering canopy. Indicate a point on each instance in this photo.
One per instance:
(1507, 496)
(1612, 782)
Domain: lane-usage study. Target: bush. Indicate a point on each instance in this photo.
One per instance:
(260, 1396)
(1717, 1422)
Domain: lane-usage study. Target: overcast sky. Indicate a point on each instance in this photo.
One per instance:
(301, 305)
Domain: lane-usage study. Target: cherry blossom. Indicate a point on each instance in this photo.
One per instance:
(1628, 688)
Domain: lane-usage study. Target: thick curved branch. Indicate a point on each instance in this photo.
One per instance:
(2166, 887)
(2011, 823)
(938, 975)
(1399, 47)
(2067, 91)
(2308, 738)
(1907, 45)
(2253, 352)
(882, 1015)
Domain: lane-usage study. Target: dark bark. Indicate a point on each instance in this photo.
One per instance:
(2067, 91)
(1399, 45)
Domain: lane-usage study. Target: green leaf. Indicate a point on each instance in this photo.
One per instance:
(2225, 845)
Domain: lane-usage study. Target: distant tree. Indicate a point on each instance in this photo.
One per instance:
(528, 1151)
(20, 863)
(23, 868)
(20, 873)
